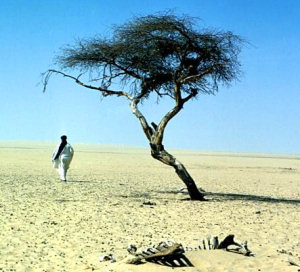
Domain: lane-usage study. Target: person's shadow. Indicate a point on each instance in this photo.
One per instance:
(81, 181)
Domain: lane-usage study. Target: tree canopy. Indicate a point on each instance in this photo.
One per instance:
(154, 52)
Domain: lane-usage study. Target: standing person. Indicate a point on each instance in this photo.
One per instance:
(62, 157)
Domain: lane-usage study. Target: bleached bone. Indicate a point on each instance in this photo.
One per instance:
(241, 248)
(215, 242)
(131, 249)
(188, 249)
(106, 258)
(291, 262)
(170, 252)
(208, 242)
(203, 244)
(161, 250)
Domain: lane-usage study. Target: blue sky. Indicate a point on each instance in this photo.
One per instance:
(260, 113)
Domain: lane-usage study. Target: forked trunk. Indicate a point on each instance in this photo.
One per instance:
(155, 137)
(159, 153)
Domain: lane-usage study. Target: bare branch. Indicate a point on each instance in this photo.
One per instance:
(104, 91)
(193, 94)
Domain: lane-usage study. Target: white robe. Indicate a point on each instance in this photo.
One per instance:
(62, 163)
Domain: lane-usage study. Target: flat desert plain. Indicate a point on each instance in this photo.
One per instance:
(115, 196)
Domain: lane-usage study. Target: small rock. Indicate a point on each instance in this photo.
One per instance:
(109, 257)
(149, 203)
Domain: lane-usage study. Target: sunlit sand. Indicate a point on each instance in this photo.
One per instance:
(48, 225)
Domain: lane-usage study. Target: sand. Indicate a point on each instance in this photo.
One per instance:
(49, 225)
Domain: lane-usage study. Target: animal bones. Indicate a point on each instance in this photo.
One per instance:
(170, 248)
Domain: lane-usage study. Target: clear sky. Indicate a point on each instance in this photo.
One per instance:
(260, 113)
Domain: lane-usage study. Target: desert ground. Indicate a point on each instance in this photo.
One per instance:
(115, 196)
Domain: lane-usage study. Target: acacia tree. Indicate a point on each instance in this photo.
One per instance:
(160, 54)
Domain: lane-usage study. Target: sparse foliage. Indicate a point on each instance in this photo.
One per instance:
(161, 54)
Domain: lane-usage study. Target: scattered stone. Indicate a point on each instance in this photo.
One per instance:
(282, 251)
(149, 203)
(106, 258)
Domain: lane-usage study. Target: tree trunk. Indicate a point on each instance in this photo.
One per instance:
(159, 153)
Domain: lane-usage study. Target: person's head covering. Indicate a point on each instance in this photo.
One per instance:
(61, 146)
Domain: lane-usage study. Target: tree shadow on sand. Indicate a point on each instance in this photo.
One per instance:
(248, 197)
(212, 196)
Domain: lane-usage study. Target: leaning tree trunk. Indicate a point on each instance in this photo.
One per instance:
(158, 152)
